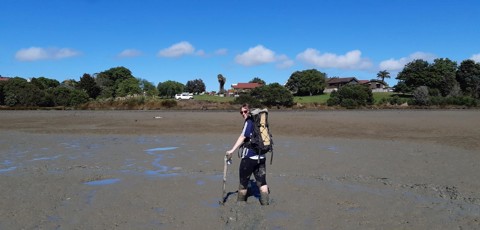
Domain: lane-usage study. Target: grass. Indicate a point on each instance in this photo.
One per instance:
(318, 99)
(212, 98)
(379, 96)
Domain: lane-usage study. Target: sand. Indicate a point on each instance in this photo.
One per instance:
(356, 169)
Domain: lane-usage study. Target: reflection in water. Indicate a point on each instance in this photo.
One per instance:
(161, 169)
(8, 169)
(103, 182)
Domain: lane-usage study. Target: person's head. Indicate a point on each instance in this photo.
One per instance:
(244, 110)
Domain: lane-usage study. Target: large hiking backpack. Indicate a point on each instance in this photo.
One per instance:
(261, 139)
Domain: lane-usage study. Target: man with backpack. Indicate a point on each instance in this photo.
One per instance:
(251, 163)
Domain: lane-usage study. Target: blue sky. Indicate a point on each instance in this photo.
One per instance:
(184, 40)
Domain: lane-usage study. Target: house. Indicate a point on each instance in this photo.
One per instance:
(376, 85)
(243, 87)
(337, 82)
(4, 78)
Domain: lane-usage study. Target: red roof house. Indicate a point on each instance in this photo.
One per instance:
(245, 86)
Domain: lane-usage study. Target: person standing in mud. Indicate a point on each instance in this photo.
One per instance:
(251, 162)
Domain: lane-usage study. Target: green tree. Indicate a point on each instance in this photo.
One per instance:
(468, 76)
(439, 76)
(247, 98)
(273, 95)
(444, 70)
(307, 83)
(148, 88)
(65, 96)
(87, 83)
(415, 74)
(130, 86)
(78, 97)
(2, 93)
(19, 92)
(257, 80)
(61, 96)
(401, 87)
(44, 83)
(69, 83)
(195, 86)
(383, 74)
(170, 88)
(109, 80)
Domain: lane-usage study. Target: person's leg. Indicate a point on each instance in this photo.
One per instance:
(242, 195)
(260, 174)
(244, 172)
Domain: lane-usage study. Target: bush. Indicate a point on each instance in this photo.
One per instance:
(247, 98)
(273, 95)
(351, 96)
(437, 100)
(462, 100)
(332, 101)
(349, 103)
(394, 100)
(78, 97)
(269, 95)
(169, 103)
(421, 95)
(2, 94)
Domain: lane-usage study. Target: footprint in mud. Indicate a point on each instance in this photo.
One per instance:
(244, 216)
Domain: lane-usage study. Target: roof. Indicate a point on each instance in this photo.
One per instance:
(246, 85)
(341, 80)
(4, 78)
(378, 82)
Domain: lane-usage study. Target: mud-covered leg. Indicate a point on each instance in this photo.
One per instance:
(264, 198)
(242, 195)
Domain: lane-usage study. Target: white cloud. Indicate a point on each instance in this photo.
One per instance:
(256, 56)
(200, 53)
(177, 50)
(129, 53)
(39, 53)
(351, 60)
(398, 64)
(221, 51)
(476, 57)
(283, 62)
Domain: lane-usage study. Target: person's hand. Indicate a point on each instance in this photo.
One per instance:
(229, 154)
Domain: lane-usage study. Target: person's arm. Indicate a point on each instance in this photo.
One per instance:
(237, 144)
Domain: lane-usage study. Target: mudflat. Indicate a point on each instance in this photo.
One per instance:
(356, 169)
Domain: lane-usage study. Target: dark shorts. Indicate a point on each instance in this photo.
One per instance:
(249, 167)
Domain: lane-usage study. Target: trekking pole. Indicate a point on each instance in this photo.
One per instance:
(271, 158)
(225, 166)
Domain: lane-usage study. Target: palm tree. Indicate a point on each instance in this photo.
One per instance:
(383, 74)
(221, 81)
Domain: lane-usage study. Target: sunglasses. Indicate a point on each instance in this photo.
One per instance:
(244, 112)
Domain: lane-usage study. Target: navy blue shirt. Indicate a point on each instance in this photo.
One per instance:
(247, 133)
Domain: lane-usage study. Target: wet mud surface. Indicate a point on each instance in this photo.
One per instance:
(164, 170)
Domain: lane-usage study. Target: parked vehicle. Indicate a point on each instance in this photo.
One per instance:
(183, 96)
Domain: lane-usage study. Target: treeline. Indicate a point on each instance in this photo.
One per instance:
(114, 83)
(440, 83)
